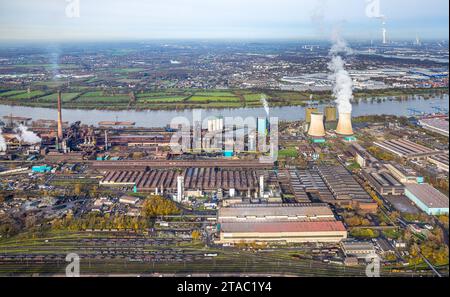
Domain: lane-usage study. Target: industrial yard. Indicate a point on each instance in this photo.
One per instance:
(119, 197)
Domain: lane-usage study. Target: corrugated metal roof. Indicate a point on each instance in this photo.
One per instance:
(283, 227)
(309, 210)
(428, 195)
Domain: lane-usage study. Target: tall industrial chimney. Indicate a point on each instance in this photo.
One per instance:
(317, 128)
(344, 127)
(60, 123)
(180, 188)
(261, 186)
(106, 140)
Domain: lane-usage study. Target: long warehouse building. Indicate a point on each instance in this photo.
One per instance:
(428, 199)
(281, 223)
(407, 149)
(205, 179)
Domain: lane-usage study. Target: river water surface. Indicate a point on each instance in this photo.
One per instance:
(161, 118)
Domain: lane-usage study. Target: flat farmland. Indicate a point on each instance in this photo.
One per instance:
(66, 97)
(207, 99)
(161, 99)
(27, 95)
(12, 93)
(98, 97)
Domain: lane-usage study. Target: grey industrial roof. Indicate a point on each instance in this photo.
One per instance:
(309, 210)
(428, 195)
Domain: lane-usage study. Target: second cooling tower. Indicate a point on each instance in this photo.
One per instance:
(317, 127)
(344, 127)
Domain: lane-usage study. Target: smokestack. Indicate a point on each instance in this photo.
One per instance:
(317, 128)
(106, 140)
(180, 189)
(344, 127)
(261, 186)
(60, 123)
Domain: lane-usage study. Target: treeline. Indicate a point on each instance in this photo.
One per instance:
(97, 221)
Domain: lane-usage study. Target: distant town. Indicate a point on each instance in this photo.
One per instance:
(179, 75)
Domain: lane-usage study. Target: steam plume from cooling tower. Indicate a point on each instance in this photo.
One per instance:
(343, 83)
(2, 142)
(265, 104)
(24, 135)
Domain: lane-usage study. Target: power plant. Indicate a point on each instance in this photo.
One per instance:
(317, 127)
(344, 127)
(317, 130)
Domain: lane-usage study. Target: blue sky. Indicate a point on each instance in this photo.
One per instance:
(23, 20)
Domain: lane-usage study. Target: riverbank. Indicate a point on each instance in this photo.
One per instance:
(160, 118)
(194, 99)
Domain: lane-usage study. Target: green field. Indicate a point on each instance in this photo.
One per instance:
(12, 93)
(98, 97)
(128, 70)
(290, 152)
(105, 99)
(215, 94)
(66, 97)
(206, 99)
(161, 99)
(27, 95)
(51, 83)
(254, 97)
(181, 98)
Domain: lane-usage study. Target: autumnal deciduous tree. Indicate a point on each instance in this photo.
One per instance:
(159, 206)
(196, 235)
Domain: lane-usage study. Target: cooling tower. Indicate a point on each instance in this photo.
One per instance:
(330, 114)
(345, 124)
(309, 111)
(60, 123)
(317, 128)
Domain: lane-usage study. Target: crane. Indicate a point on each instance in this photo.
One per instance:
(414, 111)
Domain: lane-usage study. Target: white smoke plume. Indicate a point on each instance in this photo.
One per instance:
(343, 83)
(265, 103)
(339, 46)
(2, 142)
(24, 135)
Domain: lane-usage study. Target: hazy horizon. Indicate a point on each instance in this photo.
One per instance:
(116, 20)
